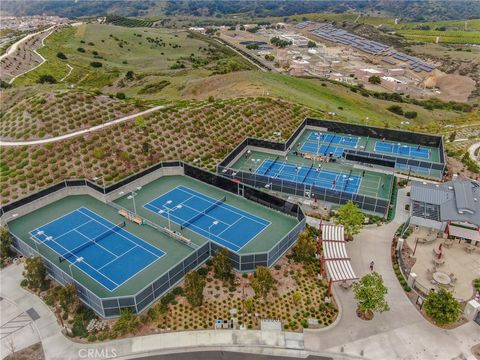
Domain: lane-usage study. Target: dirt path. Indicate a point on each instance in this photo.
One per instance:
(80, 132)
(70, 68)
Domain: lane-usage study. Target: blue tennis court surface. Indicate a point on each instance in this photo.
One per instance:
(309, 175)
(344, 140)
(405, 150)
(105, 251)
(212, 218)
(324, 144)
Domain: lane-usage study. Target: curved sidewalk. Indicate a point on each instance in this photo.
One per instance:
(402, 332)
(80, 132)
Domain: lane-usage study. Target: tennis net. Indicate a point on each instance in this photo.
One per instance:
(271, 166)
(202, 213)
(72, 253)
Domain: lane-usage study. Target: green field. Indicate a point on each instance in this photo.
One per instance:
(120, 49)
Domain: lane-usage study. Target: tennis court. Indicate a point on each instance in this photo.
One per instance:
(417, 152)
(212, 218)
(326, 144)
(105, 251)
(310, 175)
(345, 140)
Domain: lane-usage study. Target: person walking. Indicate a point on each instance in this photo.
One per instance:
(371, 266)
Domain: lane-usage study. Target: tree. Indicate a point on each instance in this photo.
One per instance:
(46, 79)
(222, 266)
(130, 75)
(68, 298)
(249, 305)
(262, 282)
(370, 294)
(442, 307)
(34, 272)
(146, 147)
(410, 114)
(96, 64)
(5, 243)
(297, 297)
(452, 136)
(396, 109)
(127, 322)
(311, 44)
(350, 216)
(140, 122)
(193, 288)
(269, 57)
(61, 55)
(374, 79)
(306, 248)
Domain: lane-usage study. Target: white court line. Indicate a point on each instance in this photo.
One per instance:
(57, 218)
(93, 243)
(119, 233)
(236, 221)
(206, 198)
(117, 257)
(84, 262)
(228, 207)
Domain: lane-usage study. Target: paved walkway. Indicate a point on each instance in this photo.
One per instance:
(82, 131)
(402, 332)
(472, 150)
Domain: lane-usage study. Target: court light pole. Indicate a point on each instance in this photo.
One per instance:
(209, 229)
(132, 197)
(168, 213)
(79, 259)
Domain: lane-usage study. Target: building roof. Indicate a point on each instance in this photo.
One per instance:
(459, 199)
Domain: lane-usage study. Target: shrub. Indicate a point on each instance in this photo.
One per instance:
(80, 49)
(442, 307)
(120, 95)
(46, 79)
(96, 64)
(410, 114)
(396, 109)
(61, 55)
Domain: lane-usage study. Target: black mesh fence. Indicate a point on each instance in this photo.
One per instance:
(267, 144)
(234, 153)
(369, 158)
(28, 199)
(295, 134)
(337, 197)
(370, 131)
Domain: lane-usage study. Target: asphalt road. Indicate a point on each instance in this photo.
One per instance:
(225, 355)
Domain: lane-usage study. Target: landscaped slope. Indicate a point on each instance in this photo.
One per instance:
(200, 133)
(48, 114)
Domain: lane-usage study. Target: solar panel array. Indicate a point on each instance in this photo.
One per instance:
(304, 24)
(329, 32)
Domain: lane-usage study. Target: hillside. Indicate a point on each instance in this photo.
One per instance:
(412, 10)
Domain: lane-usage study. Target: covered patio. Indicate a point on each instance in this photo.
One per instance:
(334, 257)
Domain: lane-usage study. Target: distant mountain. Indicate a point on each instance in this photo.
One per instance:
(76, 8)
(409, 10)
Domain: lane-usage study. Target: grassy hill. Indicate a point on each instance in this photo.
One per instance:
(119, 49)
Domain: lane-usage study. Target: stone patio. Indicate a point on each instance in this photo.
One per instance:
(465, 266)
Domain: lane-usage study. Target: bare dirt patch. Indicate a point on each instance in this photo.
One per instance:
(455, 87)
